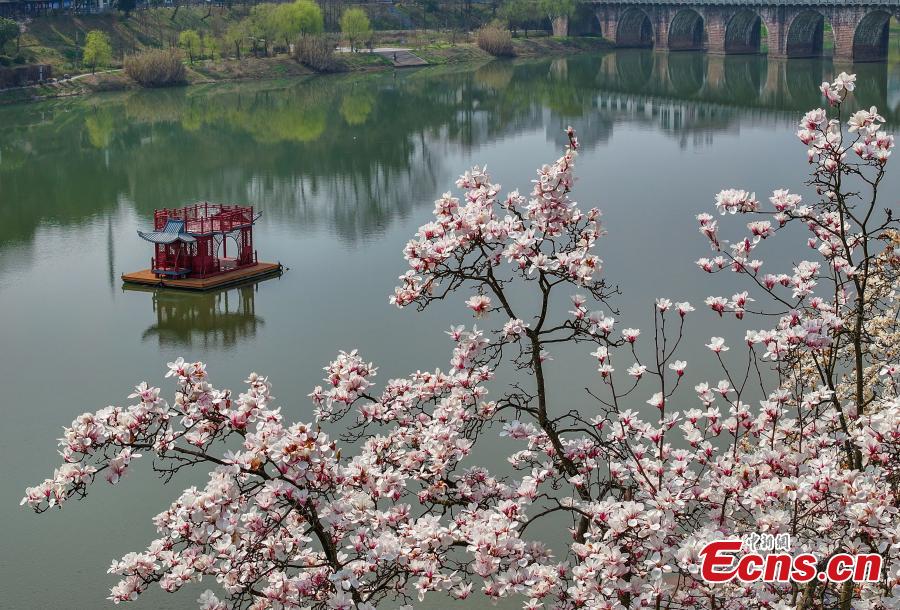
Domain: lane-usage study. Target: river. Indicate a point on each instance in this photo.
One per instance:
(344, 169)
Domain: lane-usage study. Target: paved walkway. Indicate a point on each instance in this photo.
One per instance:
(86, 74)
(398, 56)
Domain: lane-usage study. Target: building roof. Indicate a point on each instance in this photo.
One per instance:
(172, 232)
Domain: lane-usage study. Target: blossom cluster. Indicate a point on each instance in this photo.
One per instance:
(544, 235)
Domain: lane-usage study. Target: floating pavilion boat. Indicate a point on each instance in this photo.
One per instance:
(192, 246)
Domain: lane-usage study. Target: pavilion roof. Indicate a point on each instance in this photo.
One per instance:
(172, 232)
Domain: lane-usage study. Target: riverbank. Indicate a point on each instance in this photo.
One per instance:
(284, 66)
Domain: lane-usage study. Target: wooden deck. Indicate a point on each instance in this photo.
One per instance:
(236, 276)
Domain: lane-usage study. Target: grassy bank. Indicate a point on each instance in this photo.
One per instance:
(58, 41)
(209, 71)
(445, 52)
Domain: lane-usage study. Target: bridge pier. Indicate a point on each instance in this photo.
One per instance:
(716, 21)
(775, 20)
(843, 27)
(560, 26)
(661, 20)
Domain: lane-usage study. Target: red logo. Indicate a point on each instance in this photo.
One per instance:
(722, 561)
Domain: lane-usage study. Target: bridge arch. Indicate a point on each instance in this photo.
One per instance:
(585, 21)
(634, 29)
(686, 32)
(806, 35)
(743, 33)
(870, 40)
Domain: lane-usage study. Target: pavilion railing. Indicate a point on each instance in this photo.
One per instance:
(204, 218)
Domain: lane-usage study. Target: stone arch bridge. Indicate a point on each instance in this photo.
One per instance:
(795, 28)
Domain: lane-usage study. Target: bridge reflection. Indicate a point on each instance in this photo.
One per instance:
(741, 80)
(691, 96)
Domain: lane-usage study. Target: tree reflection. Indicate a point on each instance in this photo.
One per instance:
(352, 153)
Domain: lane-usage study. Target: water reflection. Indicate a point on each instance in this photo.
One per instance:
(350, 153)
(202, 322)
(744, 81)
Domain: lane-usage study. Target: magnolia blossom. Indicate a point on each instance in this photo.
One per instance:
(717, 345)
(678, 366)
(799, 438)
(637, 370)
(514, 328)
(480, 304)
(731, 201)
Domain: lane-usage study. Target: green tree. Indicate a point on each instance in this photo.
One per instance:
(9, 30)
(190, 41)
(520, 13)
(300, 17)
(431, 7)
(356, 26)
(97, 50)
(208, 45)
(235, 37)
(557, 8)
(262, 26)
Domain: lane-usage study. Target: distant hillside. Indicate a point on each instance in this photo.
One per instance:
(57, 40)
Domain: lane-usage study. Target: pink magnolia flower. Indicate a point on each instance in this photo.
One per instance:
(480, 304)
(717, 345)
(678, 366)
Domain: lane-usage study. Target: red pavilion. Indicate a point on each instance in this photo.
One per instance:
(202, 246)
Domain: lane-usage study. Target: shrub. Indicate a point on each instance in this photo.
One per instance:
(9, 31)
(317, 53)
(160, 68)
(496, 41)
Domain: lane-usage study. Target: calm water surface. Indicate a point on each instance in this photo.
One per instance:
(344, 170)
